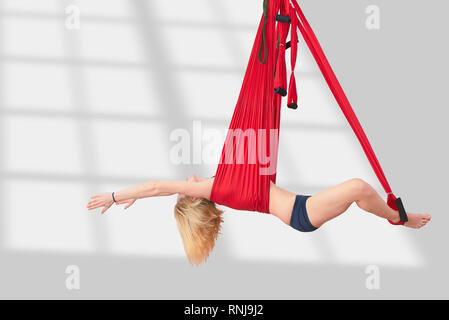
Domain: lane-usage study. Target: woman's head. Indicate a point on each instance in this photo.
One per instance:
(199, 222)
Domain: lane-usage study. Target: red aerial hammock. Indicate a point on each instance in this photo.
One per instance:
(242, 180)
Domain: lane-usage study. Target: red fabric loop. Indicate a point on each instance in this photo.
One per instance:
(280, 79)
(292, 94)
(292, 91)
(392, 204)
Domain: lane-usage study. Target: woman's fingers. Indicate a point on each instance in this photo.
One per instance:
(100, 200)
(129, 205)
(95, 206)
(94, 203)
(105, 209)
(91, 204)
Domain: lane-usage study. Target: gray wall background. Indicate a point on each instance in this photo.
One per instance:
(88, 110)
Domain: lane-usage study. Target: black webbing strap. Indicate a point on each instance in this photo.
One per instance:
(401, 209)
(284, 19)
(263, 46)
(280, 91)
(289, 44)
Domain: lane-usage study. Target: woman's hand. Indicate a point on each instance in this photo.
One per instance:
(129, 202)
(101, 200)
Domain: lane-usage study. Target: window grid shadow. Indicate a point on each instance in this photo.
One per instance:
(163, 72)
(84, 118)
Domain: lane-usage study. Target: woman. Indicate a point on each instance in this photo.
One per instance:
(199, 219)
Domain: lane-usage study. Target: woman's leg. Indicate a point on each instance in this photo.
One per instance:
(330, 203)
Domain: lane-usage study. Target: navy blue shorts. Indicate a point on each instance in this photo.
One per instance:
(300, 220)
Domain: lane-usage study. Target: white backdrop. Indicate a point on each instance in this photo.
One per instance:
(91, 109)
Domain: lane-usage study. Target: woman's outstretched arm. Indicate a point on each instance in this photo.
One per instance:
(199, 189)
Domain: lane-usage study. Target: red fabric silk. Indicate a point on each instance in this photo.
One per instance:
(282, 29)
(343, 102)
(241, 185)
(292, 97)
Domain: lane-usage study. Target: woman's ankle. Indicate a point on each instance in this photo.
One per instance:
(395, 218)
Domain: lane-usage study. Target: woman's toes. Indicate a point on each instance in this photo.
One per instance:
(417, 221)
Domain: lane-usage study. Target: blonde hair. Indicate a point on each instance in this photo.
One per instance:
(199, 222)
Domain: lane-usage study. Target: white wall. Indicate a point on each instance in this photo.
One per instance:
(92, 109)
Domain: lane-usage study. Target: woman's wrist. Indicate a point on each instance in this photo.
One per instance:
(119, 196)
(113, 197)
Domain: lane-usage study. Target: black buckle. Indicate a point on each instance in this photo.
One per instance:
(284, 19)
(293, 106)
(401, 209)
(289, 44)
(280, 91)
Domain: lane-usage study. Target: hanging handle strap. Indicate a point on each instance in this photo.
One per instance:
(280, 77)
(345, 106)
(292, 99)
(263, 53)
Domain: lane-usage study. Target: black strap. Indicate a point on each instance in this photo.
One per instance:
(265, 7)
(284, 19)
(113, 197)
(402, 212)
(263, 53)
(280, 91)
(289, 44)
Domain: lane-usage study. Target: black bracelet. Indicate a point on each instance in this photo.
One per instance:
(113, 198)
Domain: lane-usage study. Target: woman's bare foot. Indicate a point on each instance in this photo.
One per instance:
(417, 220)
